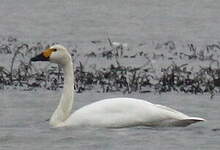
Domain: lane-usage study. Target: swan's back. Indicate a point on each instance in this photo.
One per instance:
(124, 112)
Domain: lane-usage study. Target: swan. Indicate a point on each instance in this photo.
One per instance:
(109, 113)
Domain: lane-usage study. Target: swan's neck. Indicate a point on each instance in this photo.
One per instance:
(66, 102)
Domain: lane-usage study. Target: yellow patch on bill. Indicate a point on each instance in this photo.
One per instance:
(47, 52)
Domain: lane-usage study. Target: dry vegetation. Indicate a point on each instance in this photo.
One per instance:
(186, 72)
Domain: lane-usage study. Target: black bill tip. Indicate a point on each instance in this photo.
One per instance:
(40, 57)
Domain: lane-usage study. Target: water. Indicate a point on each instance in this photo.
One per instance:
(24, 114)
(131, 21)
(24, 124)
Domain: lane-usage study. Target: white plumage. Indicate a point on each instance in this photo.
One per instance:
(110, 113)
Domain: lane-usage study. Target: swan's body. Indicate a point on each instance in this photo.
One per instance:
(114, 112)
(127, 112)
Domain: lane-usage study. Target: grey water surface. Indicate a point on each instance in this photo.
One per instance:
(24, 124)
(129, 21)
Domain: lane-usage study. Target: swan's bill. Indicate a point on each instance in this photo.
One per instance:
(44, 56)
(40, 57)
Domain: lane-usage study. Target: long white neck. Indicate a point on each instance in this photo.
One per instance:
(67, 99)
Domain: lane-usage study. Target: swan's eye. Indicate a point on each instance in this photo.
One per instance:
(54, 49)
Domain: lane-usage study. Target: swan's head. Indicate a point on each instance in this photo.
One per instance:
(57, 54)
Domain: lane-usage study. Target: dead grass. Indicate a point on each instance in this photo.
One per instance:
(117, 77)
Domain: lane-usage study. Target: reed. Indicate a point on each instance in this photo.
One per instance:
(116, 77)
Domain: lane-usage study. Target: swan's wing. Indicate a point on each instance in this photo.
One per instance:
(186, 122)
(180, 119)
(172, 111)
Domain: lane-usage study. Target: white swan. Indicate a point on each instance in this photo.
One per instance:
(114, 112)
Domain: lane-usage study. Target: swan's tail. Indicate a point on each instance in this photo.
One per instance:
(186, 122)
